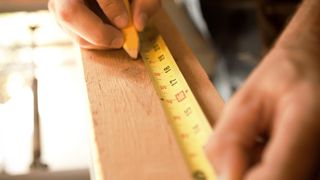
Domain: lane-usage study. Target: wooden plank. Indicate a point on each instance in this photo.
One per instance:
(132, 139)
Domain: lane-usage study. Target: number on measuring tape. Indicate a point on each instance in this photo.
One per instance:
(183, 112)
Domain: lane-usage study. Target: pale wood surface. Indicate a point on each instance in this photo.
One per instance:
(132, 138)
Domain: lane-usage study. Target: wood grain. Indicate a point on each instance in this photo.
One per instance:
(132, 139)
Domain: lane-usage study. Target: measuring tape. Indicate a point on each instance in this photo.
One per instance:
(185, 116)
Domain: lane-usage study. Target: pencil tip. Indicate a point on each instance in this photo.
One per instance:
(133, 53)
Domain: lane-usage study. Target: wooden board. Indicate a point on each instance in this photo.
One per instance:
(132, 139)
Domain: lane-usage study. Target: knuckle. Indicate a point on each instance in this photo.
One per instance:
(67, 11)
(65, 14)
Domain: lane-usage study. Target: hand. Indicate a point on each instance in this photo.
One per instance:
(270, 129)
(88, 29)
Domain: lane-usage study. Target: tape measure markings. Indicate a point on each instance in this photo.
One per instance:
(184, 114)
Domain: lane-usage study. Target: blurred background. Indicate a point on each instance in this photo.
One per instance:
(44, 111)
(43, 103)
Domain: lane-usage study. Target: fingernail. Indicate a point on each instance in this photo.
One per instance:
(117, 42)
(121, 21)
(142, 20)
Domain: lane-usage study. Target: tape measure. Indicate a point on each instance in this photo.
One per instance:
(184, 114)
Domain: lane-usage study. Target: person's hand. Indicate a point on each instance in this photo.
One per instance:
(88, 29)
(270, 129)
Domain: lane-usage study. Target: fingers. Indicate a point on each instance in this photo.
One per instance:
(234, 138)
(143, 10)
(116, 12)
(293, 153)
(82, 42)
(77, 18)
(90, 31)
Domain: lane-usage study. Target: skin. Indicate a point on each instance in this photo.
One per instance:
(86, 28)
(270, 129)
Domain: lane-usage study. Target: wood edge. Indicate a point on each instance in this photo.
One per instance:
(205, 92)
(95, 168)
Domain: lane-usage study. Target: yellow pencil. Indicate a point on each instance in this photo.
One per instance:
(131, 38)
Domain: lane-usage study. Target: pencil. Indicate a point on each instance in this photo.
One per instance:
(131, 38)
